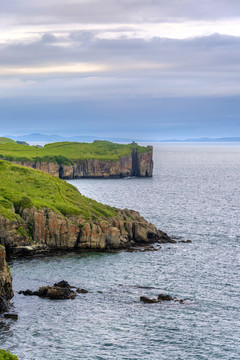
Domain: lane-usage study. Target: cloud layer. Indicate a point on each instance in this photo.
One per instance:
(87, 50)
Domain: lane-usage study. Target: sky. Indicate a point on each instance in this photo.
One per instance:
(141, 69)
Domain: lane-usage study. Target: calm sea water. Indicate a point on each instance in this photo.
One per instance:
(195, 194)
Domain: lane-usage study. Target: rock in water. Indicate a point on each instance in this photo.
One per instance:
(164, 297)
(147, 300)
(160, 298)
(59, 291)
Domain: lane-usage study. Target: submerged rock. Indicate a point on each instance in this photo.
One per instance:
(82, 291)
(160, 299)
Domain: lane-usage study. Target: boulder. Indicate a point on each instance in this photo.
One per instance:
(165, 297)
(147, 300)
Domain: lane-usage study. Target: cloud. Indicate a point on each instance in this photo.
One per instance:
(123, 67)
(116, 52)
(93, 11)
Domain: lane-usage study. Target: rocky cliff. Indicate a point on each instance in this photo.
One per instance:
(46, 230)
(6, 292)
(138, 164)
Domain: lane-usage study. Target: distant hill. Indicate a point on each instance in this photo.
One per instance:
(205, 139)
(37, 138)
(42, 138)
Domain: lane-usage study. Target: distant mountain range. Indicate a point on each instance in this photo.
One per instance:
(42, 138)
(205, 139)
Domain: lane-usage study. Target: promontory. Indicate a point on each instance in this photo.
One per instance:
(39, 211)
(70, 160)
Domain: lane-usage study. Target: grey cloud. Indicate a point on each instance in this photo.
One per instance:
(49, 38)
(200, 66)
(199, 54)
(113, 11)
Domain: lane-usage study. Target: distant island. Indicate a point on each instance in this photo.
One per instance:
(69, 160)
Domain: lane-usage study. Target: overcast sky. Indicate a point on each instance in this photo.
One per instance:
(150, 69)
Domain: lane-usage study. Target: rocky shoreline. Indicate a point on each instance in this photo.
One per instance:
(44, 231)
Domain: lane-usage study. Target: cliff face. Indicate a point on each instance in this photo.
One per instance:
(6, 292)
(55, 231)
(136, 164)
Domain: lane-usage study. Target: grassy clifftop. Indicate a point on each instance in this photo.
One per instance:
(68, 152)
(23, 187)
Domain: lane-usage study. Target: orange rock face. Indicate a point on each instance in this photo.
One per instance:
(54, 231)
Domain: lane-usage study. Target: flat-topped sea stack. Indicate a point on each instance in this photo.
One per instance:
(71, 160)
(42, 212)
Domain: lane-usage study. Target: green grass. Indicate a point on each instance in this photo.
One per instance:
(23, 187)
(6, 355)
(4, 140)
(68, 152)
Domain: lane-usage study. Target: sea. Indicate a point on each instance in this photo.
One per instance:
(194, 195)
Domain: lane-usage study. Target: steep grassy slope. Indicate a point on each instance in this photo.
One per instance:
(4, 140)
(22, 187)
(68, 152)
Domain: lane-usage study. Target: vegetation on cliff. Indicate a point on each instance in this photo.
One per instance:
(22, 187)
(68, 152)
(6, 355)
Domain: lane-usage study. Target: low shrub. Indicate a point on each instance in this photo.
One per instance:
(6, 355)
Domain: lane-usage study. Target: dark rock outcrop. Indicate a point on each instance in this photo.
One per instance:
(59, 291)
(146, 300)
(161, 298)
(136, 164)
(165, 297)
(6, 292)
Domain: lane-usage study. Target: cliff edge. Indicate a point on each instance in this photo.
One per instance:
(100, 159)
